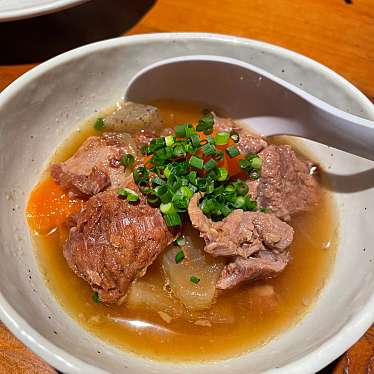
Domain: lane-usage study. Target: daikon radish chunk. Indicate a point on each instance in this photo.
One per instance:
(131, 117)
(145, 295)
(193, 279)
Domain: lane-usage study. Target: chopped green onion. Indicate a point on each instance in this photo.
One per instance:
(167, 208)
(192, 188)
(166, 197)
(211, 140)
(222, 138)
(181, 241)
(222, 174)
(179, 151)
(194, 279)
(264, 210)
(192, 177)
(179, 257)
(160, 190)
(208, 149)
(180, 130)
(256, 163)
(99, 124)
(127, 160)
(169, 140)
(244, 164)
(140, 174)
(158, 181)
(205, 123)
(127, 192)
(234, 136)
(195, 140)
(196, 162)
(218, 156)
(189, 131)
(254, 175)
(250, 205)
(172, 219)
(168, 171)
(241, 188)
(153, 199)
(230, 188)
(239, 203)
(210, 165)
(226, 210)
(232, 151)
(96, 298)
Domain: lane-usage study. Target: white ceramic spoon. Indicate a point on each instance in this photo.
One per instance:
(267, 104)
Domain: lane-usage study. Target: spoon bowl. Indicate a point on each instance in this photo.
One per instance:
(265, 103)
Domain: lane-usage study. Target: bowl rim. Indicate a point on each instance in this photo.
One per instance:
(66, 362)
(38, 10)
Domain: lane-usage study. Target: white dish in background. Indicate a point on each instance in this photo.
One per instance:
(11, 10)
(41, 109)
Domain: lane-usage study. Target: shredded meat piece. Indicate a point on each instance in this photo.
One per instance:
(255, 241)
(113, 242)
(286, 186)
(96, 165)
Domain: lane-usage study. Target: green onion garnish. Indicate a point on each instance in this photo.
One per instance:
(239, 202)
(222, 138)
(131, 195)
(179, 151)
(181, 129)
(208, 149)
(254, 175)
(140, 174)
(99, 124)
(205, 123)
(172, 219)
(179, 257)
(195, 140)
(196, 162)
(210, 165)
(158, 181)
(256, 163)
(241, 188)
(127, 160)
(167, 208)
(222, 174)
(181, 241)
(264, 210)
(194, 279)
(232, 151)
(96, 298)
(169, 140)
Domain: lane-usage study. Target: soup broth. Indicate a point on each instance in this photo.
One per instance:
(254, 313)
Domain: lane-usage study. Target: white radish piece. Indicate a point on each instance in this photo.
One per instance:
(198, 295)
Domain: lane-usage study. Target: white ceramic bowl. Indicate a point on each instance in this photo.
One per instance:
(11, 10)
(43, 106)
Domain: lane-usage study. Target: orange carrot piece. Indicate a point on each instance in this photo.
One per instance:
(49, 206)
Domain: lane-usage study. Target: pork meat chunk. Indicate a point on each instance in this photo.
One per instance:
(96, 165)
(113, 242)
(248, 143)
(286, 186)
(255, 242)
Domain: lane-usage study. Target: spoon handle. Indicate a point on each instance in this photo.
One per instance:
(322, 123)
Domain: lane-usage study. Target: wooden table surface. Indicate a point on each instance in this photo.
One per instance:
(337, 33)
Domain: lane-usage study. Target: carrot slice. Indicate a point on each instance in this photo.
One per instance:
(49, 206)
